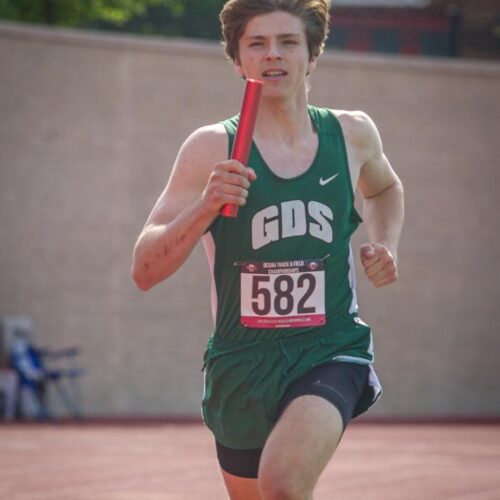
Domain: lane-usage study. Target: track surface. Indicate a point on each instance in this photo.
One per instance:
(177, 462)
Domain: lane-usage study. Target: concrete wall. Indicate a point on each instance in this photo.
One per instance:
(90, 126)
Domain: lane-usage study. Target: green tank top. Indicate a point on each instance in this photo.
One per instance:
(284, 265)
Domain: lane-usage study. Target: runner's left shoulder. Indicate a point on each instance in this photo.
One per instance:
(357, 126)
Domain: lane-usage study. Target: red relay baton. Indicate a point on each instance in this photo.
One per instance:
(243, 139)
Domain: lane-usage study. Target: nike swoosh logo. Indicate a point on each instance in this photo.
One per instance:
(324, 182)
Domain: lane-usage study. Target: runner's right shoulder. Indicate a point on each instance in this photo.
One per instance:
(206, 144)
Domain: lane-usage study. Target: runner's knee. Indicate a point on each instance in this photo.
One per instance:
(279, 486)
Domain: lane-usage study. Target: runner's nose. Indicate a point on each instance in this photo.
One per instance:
(273, 52)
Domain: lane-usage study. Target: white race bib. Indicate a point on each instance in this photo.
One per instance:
(283, 294)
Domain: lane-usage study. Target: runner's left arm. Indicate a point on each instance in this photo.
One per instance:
(383, 210)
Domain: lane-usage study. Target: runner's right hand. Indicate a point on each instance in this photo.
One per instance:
(228, 183)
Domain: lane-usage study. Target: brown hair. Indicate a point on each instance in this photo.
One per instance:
(314, 14)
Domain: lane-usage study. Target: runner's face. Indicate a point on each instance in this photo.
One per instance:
(274, 49)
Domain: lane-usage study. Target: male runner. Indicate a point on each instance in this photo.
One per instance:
(290, 361)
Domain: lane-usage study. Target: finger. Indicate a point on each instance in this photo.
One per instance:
(382, 251)
(251, 174)
(245, 172)
(371, 258)
(379, 276)
(384, 279)
(371, 263)
(373, 269)
(234, 200)
(222, 193)
(236, 179)
(234, 190)
(367, 251)
(385, 264)
(234, 166)
(224, 177)
(218, 199)
(379, 254)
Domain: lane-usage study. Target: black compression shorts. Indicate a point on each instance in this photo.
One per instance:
(341, 383)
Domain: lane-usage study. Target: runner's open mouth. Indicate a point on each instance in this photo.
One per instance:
(270, 73)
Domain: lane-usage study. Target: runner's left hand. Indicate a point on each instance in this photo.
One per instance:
(380, 264)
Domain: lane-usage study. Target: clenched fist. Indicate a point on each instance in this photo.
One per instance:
(228, 184)
(380, 265)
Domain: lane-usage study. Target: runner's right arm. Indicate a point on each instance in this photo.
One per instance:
(202, 180)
